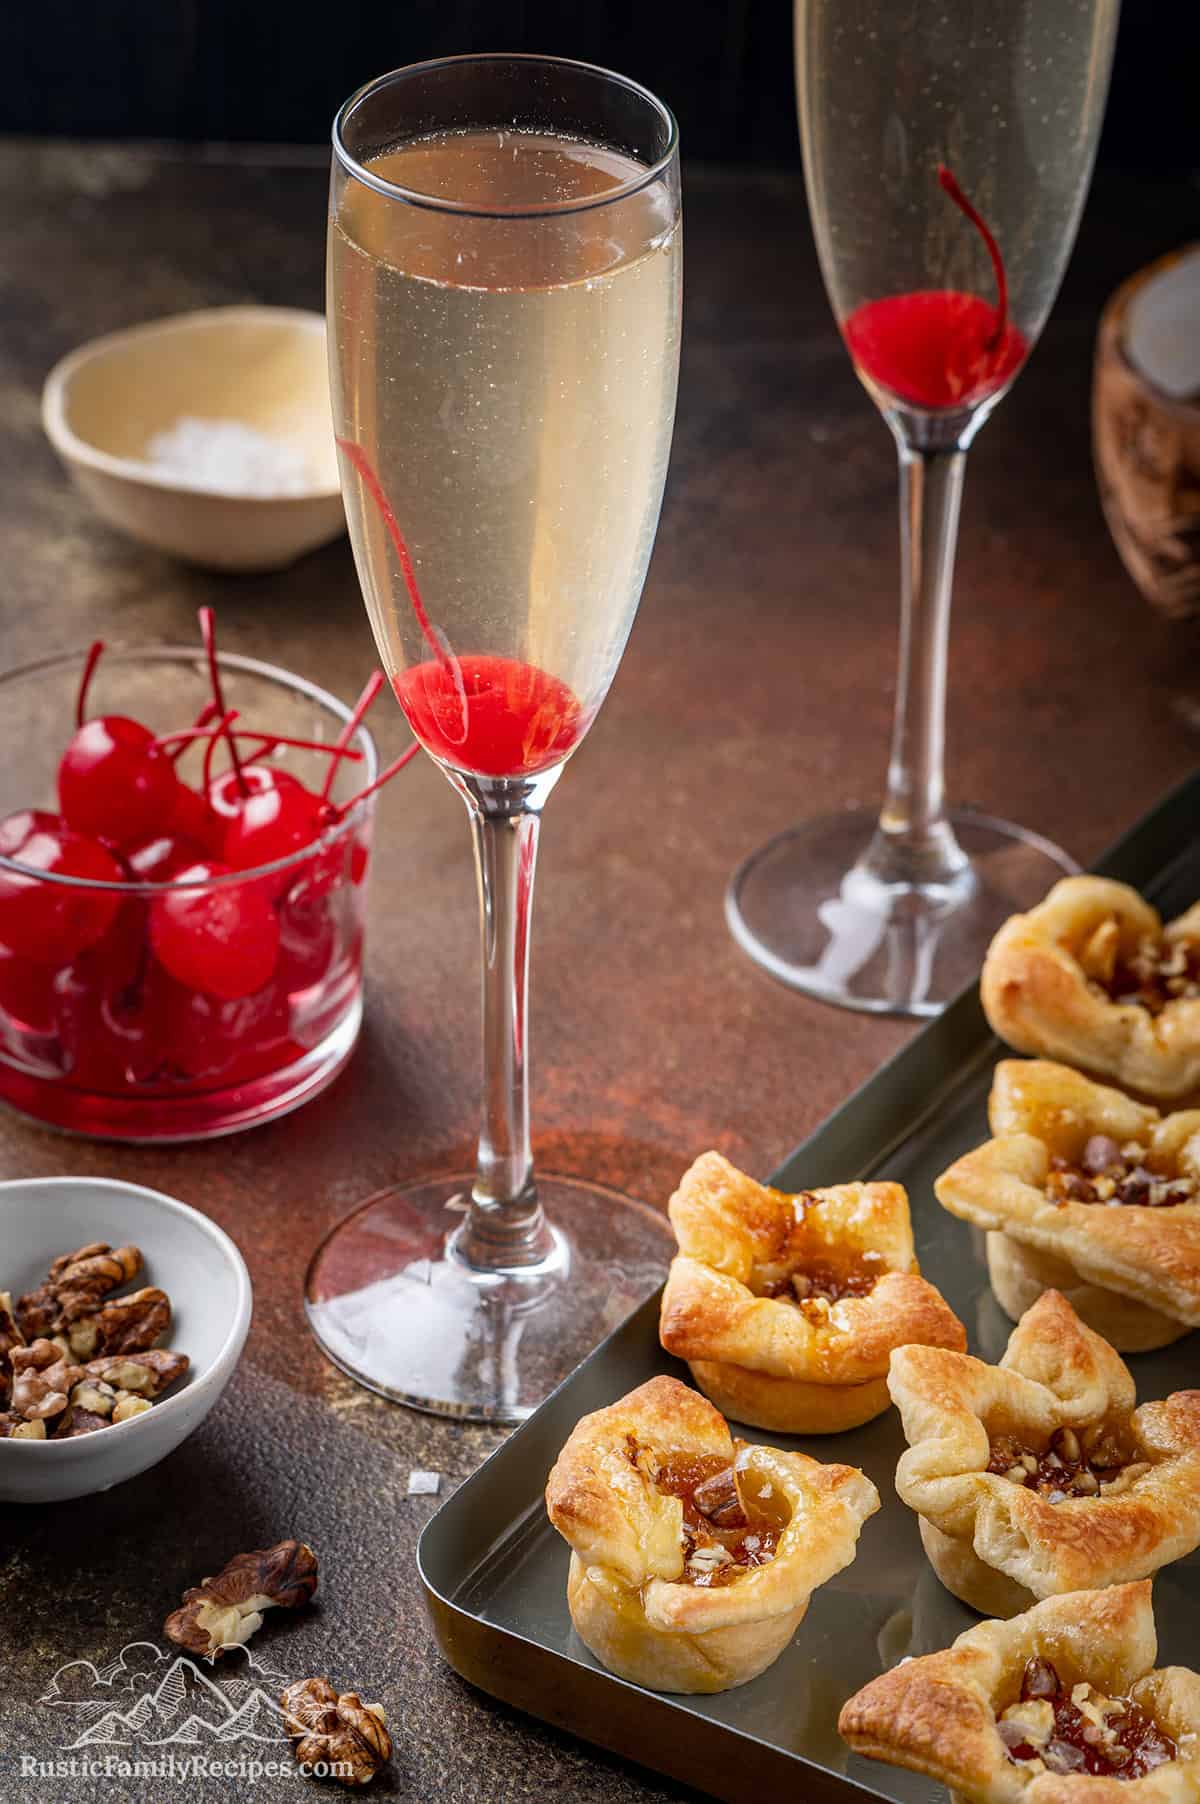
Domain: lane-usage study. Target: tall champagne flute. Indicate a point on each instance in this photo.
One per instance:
(947, 153)
(504, 309)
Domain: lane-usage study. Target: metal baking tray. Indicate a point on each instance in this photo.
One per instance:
(495, 1572)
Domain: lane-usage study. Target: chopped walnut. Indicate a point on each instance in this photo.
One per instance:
(15, 1428)
(75, 1287)
(1059, 1729)
(338, 1733)
(10, 1337)
(76, 1421)
(129, 1324)
(127, 1406)
(1088, 1462)
(1116, 1175)
(225, 1611)
(97, 1398)
(42, 1380)
(1156, 972)
(145, 1374)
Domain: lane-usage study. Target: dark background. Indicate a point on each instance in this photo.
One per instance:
(276, 70)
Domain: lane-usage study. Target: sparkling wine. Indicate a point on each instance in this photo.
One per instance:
(1011, 100)
(504, 388)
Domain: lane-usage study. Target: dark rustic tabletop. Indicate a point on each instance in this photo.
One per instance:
(756, 689)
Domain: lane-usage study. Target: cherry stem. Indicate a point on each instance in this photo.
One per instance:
(221, 731)
(373, 685)
(951, 187)
(267, 742)
(95, 653)
(202, 719)
(208, 632)
(343, 808)
(362, 463)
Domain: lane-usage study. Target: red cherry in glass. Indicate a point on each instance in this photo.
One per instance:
(307, 942)
(114, 781)
(228, 794)
(161, 857)
(192, 819)
(106, 1012)
(274, 823)
(51, 922)
(26, 996)
(208, 1036)
(223, 940)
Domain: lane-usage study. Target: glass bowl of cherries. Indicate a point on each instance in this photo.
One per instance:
(184, 841)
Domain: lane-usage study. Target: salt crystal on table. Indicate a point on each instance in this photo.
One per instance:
(228, 457)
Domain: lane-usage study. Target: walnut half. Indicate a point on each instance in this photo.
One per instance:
(75, 1287)
(225, 1611)
(341, 1736)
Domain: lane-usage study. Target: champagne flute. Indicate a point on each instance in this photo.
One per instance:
(947, 153)
(504, 311)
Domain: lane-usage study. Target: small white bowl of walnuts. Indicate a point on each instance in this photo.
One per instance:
(122, 1316)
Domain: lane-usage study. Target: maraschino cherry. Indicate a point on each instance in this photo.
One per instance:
(51, 922)
(114, 781)
(222, 939)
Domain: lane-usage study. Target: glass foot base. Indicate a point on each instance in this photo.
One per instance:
(396, 1307)
(805, 908)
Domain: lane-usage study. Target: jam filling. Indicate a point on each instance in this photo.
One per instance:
(1076, 1729)
(720, 1542)
(1084, 1462)
(1156, 972)
(1116, 1175)
(821, 1282)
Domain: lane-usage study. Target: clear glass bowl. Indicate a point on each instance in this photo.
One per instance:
(103, 1038)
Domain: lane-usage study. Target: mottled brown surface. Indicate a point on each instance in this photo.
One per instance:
(756, 689)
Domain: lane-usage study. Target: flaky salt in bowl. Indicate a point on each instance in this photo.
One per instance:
(208, 435)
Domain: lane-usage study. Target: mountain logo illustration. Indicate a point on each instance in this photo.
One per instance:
(145, 1695)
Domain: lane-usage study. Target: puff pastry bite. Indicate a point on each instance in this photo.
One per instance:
(693, 1556)
(1092, 1193)
(1092, 976)
(788, 1307)
(1062, 1705)
(1039, 1475)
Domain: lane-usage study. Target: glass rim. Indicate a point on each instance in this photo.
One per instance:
(115, 651)
(413, 197)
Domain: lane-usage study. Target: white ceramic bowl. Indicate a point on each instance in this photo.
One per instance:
(262, 367)
(186, 1255)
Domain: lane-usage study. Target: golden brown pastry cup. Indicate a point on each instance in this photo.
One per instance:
(1021, 1274)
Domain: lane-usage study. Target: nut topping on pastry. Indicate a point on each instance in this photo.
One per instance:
(1085, 1191)
(1053, 1707)
(1156, 972)
(1059, 1729)
(787, 1307)
(1117, 1175)
(719, 1540)
(1093, 978)
(1072, 1465)
(1039, 1475)
(693, 1556)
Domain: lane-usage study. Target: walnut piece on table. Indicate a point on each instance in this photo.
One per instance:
(224, 1611)
(339, 1734)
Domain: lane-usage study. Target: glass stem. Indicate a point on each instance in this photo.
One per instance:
(914, 843)
(505, 1226)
